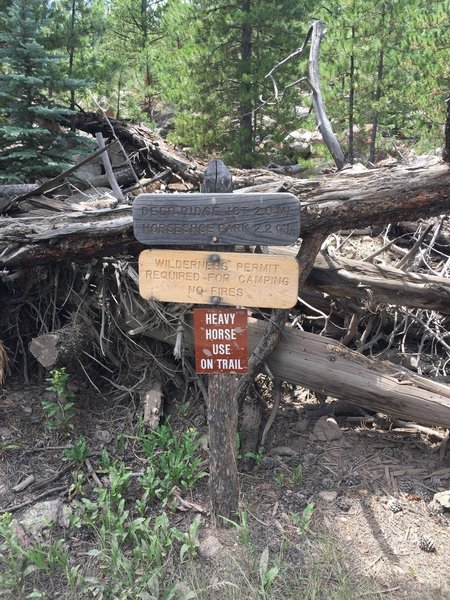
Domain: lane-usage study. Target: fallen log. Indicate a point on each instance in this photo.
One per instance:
(379, 284)
(349, 279)
(323, 365)
(159, 153)
(62, 347)
(338, 202)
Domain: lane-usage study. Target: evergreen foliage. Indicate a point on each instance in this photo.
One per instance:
(216, 57)
(385, 65)
(384, 73)
(31, 144)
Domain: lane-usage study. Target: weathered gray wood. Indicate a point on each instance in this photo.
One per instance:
(347, 278)
(322, 364)
(221, 404)
(323, 123)
(342, 201)
(8, 193)
(214, 219)
(108, 169)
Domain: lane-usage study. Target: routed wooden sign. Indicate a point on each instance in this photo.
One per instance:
(208, 219)
(220, 340)
(208, 277)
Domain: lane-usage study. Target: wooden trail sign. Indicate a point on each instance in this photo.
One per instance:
(209, 277)
(221, 340)
(216, 218)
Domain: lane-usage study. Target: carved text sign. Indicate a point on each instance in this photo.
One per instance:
(211, 219)
(221, 340)
(208, 277)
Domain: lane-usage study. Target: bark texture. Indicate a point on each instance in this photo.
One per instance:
(324, 365)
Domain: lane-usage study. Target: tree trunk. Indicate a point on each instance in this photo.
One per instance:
(245, 89)
(323, 122)
(351, 100)
(343, 201)
(323, 365)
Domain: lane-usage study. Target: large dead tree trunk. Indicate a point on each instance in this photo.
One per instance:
(343, 201)
(159, 154)
(323, 365)
(346, 278)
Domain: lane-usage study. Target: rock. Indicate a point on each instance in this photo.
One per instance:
(40, 516)
(103, 435)
(326, 430)
(210, 547)
(6, 433)
(443, 498)
(308, 137)
(301, 149)
(328, 495)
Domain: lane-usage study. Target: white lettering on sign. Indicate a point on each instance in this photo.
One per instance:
(220, 334)
(220, 339)
(229, 363)
(220, 318)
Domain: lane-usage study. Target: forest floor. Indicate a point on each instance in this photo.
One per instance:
(339, 519)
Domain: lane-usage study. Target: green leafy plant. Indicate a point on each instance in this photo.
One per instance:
(266, 575)
(78, 452)
(190, 540)
(303, 521)
(173, 462)
(297, 475)
(60, 413)
(18, 563)
(256, 456)
(241, 527)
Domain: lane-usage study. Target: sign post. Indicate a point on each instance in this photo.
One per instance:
(222, 403)
(219, 220)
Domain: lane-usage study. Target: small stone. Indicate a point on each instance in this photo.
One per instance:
(40, 516)
(327, 430)
(434, 508)
(328, 495)
(6, 433)
(443, 498)
(104, 436)
(210, 547)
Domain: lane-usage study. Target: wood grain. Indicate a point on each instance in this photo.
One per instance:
(236, 279)
(216, 218)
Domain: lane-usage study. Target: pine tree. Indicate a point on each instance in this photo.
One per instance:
(31, 140)
(213, 71)
(386, 66)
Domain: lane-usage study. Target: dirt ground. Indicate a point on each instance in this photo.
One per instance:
(372, 490)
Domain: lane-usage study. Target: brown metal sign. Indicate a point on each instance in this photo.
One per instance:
(211, 219)
(208, 277)
(220, 340)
